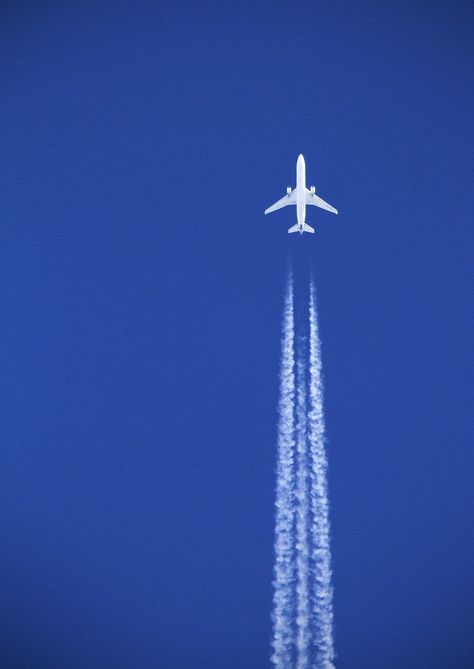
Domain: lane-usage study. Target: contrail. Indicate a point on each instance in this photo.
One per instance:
(302, 599)
(284, 570)
(303, 620)
(322, 591)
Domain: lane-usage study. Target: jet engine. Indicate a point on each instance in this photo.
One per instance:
(288, 190)
(313, 190)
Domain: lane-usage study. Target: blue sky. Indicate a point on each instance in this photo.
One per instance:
(141, 299)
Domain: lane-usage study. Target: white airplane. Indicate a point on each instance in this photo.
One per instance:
(301, 197)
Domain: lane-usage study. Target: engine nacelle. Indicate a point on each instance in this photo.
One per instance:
(313, 190)
(288, 190)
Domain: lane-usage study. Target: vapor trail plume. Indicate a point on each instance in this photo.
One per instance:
(322, 591)
(303, 618)
(283, 582)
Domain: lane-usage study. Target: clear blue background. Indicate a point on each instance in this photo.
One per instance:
(140, 301)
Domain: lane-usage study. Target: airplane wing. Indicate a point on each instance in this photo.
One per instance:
(311, 198)
(288, 199)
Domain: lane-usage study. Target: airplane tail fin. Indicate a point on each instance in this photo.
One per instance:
(296, 228)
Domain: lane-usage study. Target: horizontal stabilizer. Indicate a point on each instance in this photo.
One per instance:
(296, 228)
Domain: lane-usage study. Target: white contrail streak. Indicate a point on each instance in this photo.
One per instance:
(303, 614)
(322, 591)
(284, 570)
(302, 599)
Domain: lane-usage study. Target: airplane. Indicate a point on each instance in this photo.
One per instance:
(301, 197)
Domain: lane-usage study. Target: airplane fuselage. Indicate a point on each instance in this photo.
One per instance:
(301, 192)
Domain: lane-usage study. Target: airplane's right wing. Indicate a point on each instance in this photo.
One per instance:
(288, 199)
(311, 198)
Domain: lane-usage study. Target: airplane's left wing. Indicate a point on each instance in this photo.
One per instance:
(285, 201)
(312, 198)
